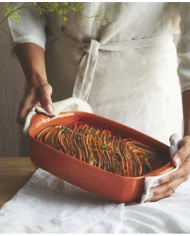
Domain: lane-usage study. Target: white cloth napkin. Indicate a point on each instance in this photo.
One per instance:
(70, 104)
(47, 204)
(152, 181)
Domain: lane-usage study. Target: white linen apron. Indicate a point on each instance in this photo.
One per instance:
(127, 71)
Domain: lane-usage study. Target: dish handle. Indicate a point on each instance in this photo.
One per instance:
(70, 104)
(152, 181)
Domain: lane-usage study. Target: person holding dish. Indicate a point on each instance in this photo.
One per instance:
(126, 70)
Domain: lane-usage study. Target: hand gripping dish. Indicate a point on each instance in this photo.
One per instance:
(109, 185)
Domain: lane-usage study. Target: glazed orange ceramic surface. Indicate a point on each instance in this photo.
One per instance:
(92, 178)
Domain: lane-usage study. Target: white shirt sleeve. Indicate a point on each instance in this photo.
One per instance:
(183, 47)
(30, 28)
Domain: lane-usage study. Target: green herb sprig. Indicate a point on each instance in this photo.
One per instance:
(60, 8)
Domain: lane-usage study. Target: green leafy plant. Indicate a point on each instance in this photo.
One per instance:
(60, 8)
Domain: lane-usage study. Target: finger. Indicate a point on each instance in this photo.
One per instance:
(45, 98)
(182, 171)
(160, 196)
(165, 190)
(26, 105)
(181, 155)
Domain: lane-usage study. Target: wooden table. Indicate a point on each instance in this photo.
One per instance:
(14, 173)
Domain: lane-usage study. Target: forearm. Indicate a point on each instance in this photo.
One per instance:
(32, 60)
(31, 57)
(186, 111)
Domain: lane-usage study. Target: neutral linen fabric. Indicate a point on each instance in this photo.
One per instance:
(184, 47)
(126, 70)
(30, 29)
(47, 204)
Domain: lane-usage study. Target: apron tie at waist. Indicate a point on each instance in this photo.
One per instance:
(86, 71)
(87, 67)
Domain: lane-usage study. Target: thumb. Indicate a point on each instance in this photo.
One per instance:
(176, 160)
(181, 155)
(174, 146)
(45, 98)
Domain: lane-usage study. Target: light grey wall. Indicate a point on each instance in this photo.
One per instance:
(11, 92)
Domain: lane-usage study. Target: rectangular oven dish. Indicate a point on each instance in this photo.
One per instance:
(109, 185)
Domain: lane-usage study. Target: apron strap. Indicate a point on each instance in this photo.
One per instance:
(86, 71)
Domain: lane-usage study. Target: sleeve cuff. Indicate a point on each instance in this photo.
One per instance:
(28, 39)
(185, 87)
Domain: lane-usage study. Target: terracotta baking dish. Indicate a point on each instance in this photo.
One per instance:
(106, 184)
